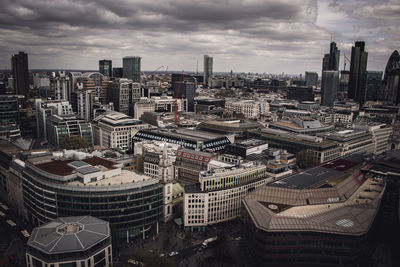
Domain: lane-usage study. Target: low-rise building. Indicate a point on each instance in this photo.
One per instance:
(250, 109)
(380, 134)
(313, 218)
(217, 197)
(352, 141)
(115, 130)
(70, 241)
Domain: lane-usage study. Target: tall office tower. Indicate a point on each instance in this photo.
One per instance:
(330, 79)
(120, 95)
(331, 60)
(343, 84)
(105, 67)
(19, 64)
(208, 70)
(373, 85)
(59, 86)
(330, 63)
(358, 72)
(311, 78)
(391, 81)
(131, 68)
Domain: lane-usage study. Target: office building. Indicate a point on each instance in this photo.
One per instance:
(352, 141)
(218, 195)
(46, 108)
(119, 95)
(391, 80)
(329, 87)
(105, 67)
(373, 85)
(9, 110)
(60, 126)
(320, 150)
(343, 85)
(313, 218)
(189, 164)
(113, 129)
(58, 185)
(187, 85)
(132, 68)
(59, 86)
(236, 128)
(207, 70)
(358, 72)
(380, 134)
(301, 125)
(118, 72)
(158, 104)
(300, 93)
(70, 241)
(20, 71)
(250, 109)
(311, 78)
(188, 138)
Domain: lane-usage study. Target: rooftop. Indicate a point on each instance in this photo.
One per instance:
(346, 206)
(69, 234)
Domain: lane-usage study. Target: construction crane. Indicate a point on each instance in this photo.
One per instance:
(165, 75)
(344, 57)
(176, 99)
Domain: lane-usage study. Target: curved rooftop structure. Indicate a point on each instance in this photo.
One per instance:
(69, 234)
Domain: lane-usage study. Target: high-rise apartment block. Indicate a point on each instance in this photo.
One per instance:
(20, 71)
(358, 72)
(105, 67)
(131, 68)
(208, 70)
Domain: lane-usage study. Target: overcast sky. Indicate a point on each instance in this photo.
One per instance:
(271, 36)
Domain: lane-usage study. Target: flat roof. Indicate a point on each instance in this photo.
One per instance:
(323, 174)
(125, 177)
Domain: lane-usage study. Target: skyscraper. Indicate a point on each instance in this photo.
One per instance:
(358, 72)
(331, 60)
(373, 85)
(331, 85)
(208, 70)
(343, 84)
(329, 80)
(131, 68)
(19, 64)
(105, 67)
(391, 81)
(187, 88)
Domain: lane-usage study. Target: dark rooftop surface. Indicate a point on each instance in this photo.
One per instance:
(69, 234)
(319, 175)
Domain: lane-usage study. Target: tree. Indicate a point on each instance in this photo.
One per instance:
(73, 142)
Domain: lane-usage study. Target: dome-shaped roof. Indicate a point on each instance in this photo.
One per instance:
(393, 62)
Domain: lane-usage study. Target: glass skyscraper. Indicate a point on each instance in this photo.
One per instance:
(358, 72)
(131, 68)
(19, 64)
(105, 67)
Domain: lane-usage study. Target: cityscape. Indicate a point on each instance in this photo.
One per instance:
(183, 133)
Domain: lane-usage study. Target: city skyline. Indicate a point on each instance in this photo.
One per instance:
(243, 36)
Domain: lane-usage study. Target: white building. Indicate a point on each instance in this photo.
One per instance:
(352, 141)
(380, 134)
(46, 108)
(163, 103)
(251, 109)
(219, 196)
(115, 130)
(60, 85)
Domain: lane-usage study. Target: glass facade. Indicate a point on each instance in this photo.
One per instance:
(128, 207)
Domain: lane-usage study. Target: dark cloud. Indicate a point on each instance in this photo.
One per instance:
(250, 35)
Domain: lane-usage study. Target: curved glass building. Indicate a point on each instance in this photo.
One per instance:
(58, 187)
